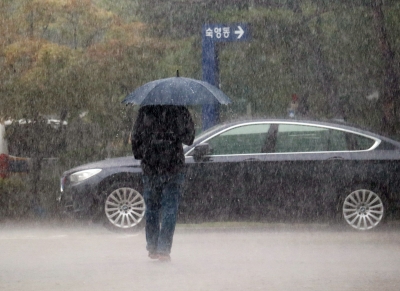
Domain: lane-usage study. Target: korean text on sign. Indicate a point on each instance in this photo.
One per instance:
(218, 32)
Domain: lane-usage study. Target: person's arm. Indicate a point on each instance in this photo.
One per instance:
(136, 137)
(188, 133)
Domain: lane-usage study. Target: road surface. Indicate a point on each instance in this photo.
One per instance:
(54, 257)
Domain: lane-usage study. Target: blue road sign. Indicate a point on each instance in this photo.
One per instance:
(211, 34)
(226, 32)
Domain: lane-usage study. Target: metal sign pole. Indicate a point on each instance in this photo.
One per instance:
(210, 112)
(211, 34)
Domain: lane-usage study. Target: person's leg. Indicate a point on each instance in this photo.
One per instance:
(169, 209)
(153, 205)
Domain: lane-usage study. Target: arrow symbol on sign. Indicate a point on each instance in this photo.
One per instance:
(239, 32)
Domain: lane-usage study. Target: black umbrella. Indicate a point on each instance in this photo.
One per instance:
(177, 91)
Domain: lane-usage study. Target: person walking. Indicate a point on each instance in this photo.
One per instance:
(158, 135)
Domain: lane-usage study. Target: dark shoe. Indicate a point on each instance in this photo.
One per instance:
(164, 258)
(153, 256)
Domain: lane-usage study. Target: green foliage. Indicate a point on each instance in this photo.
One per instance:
(35, 139)
(392, 16)
(64, 58)
(295, 52)
(296, 46)
(14, 198)
(183, 55)
(126, 9)
(176, 19)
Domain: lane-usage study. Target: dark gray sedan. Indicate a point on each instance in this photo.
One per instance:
(258, 170)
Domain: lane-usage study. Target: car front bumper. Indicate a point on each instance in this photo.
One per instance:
(78, 199)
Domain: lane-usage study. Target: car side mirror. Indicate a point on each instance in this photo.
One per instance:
(201, 151)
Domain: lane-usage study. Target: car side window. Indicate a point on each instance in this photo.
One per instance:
(305, 138)
(301, 138)
(338, 140)
(247, 139)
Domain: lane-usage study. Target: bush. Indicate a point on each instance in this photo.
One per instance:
(14, 197)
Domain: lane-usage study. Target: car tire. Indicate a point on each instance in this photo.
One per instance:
(123, 208)
(363, 208)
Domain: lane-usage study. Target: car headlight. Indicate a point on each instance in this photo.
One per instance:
(83, 175)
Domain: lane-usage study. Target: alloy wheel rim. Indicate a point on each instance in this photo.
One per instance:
(125, 207)
(363, 209)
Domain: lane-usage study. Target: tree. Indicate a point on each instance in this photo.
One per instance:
(42, 78)
(125, 60)
(81, 23)
(391, 85)
(38, 15)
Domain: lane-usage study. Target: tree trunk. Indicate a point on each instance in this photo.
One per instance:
(325, 75)
(391, 88)
(35, 165)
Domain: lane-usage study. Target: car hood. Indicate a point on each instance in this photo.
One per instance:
(128, 161)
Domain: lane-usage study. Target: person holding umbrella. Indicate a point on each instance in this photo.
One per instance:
(162, 126)
(158, 134)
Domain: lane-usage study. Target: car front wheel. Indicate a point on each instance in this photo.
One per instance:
(124, 208)
(363, 209)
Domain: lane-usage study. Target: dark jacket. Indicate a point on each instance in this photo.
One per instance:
(157, 138)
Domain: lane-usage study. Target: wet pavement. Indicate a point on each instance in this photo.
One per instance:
(38, 256)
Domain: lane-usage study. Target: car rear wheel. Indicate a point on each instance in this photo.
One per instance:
(363, 209)
(124, 208)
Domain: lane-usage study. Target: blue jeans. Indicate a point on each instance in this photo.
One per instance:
(161, 195)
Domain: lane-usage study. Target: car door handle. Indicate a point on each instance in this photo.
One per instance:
(252, 160)
(335, 158)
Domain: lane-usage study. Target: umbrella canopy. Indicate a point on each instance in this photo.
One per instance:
(177, 91)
